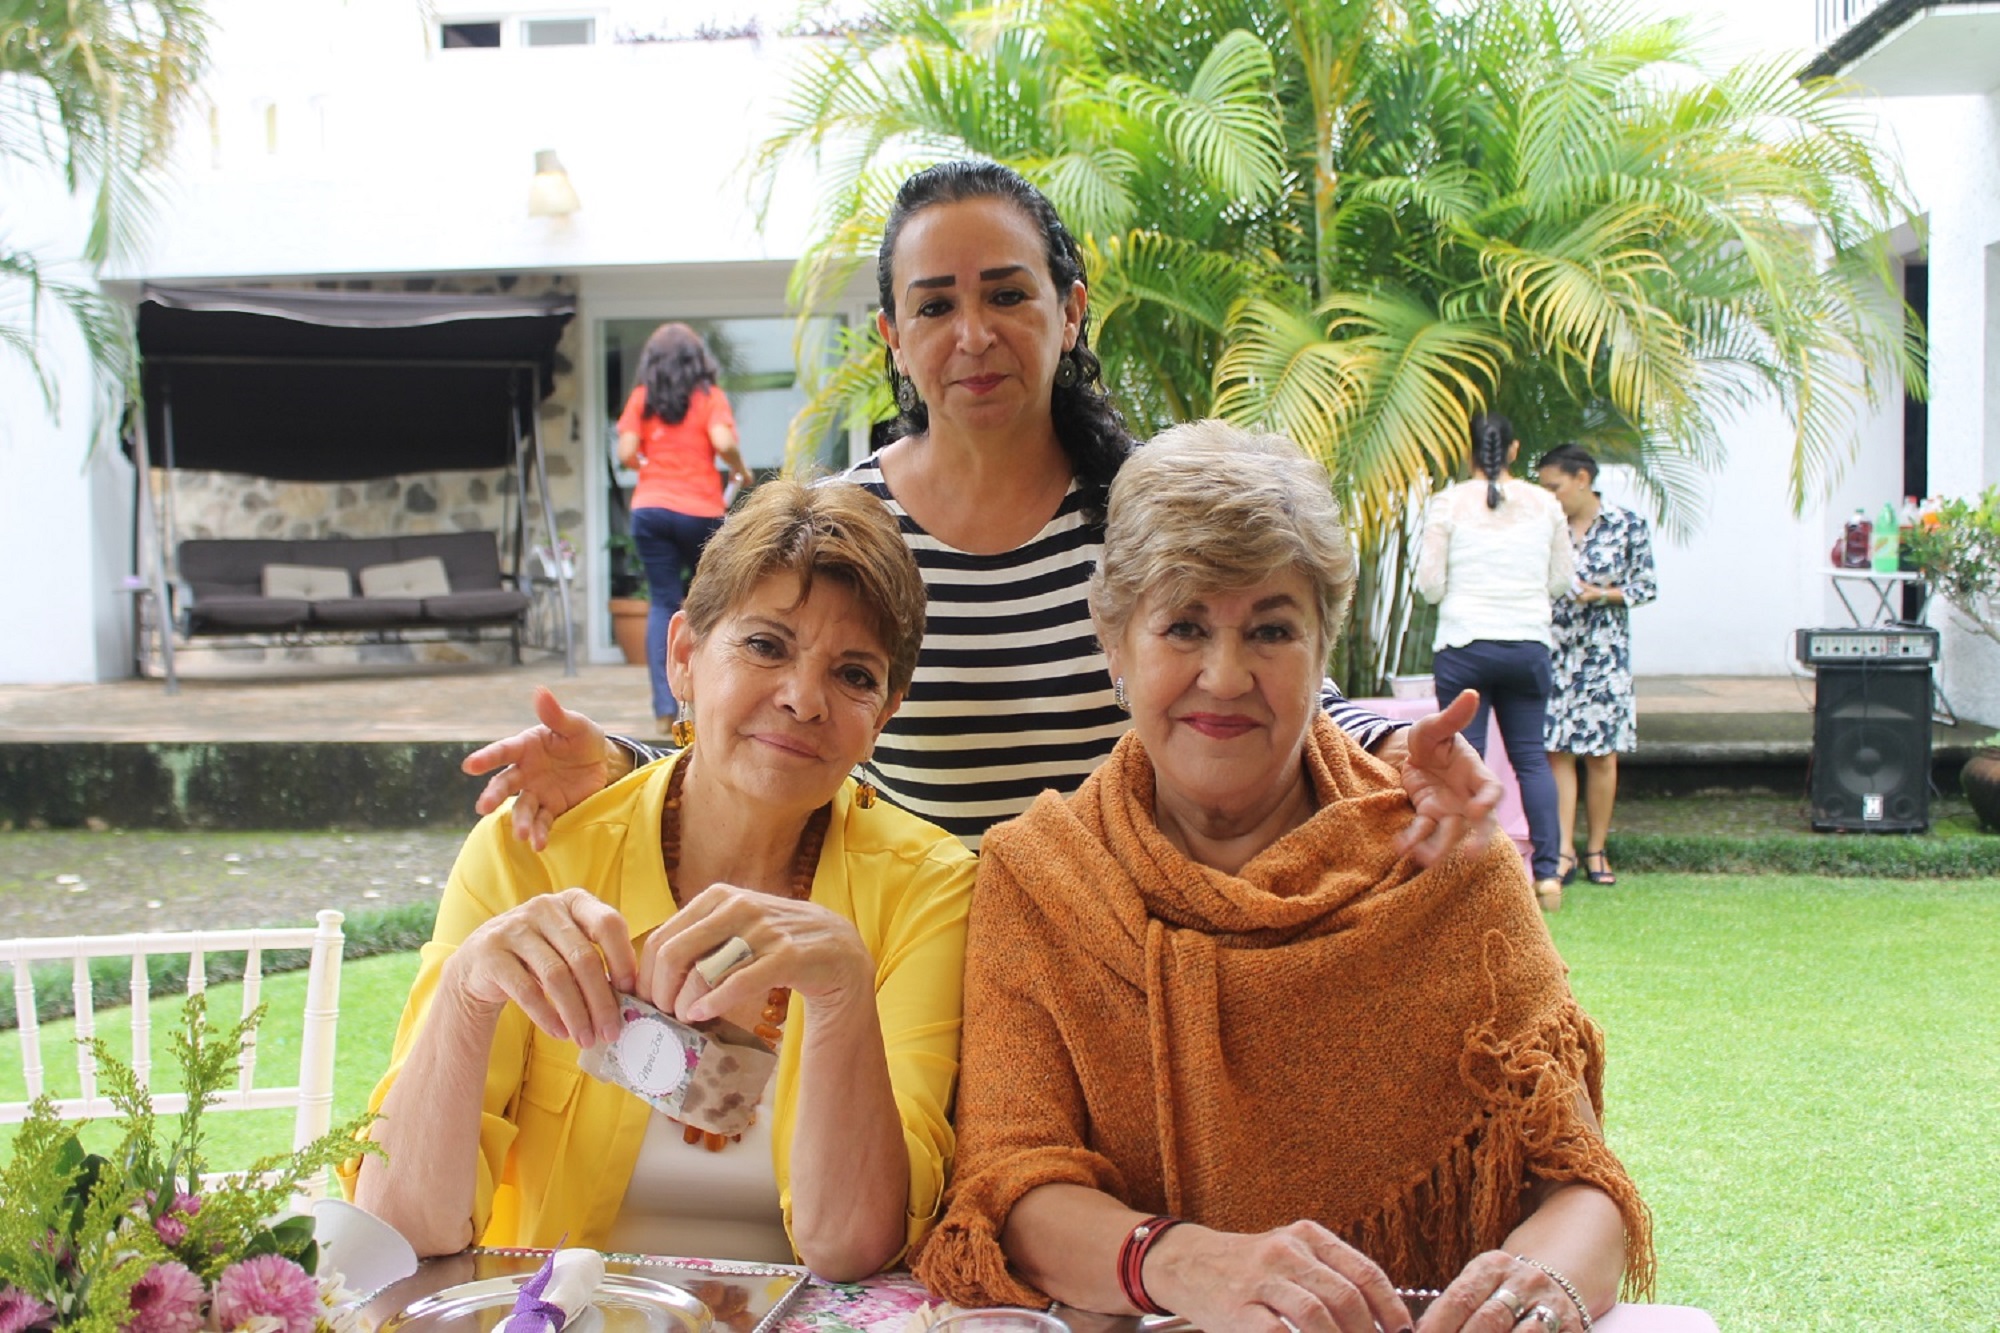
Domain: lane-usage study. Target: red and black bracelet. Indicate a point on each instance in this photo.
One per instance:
(1132, 1262)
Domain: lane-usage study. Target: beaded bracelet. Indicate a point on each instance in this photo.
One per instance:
(1132, 1262)
(1569, 1288)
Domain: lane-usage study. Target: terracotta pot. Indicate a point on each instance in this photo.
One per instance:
(628, 627)
(1980, 781)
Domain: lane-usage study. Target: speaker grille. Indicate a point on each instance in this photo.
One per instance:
(1872, 749)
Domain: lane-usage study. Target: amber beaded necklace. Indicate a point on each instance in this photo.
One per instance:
(805, 863)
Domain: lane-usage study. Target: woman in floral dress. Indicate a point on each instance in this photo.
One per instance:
(1591, 708)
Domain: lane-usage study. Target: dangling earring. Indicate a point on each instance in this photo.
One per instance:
(906, 395)
(683, 729)
(1118, 695)
(1068, 373)
(864, 792)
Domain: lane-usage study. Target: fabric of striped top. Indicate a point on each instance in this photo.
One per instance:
(1010, 695)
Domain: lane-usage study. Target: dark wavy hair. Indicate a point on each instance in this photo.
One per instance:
(673, 365)
(1570, 458)
(1092, 433)
(1491, 434)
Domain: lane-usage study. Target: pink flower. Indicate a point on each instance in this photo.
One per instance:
(268, 1285)
(171, 1229)
(19, 1310)
(187, 1205)
(167, 1300)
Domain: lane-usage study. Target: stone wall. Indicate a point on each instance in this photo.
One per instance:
(226, 504)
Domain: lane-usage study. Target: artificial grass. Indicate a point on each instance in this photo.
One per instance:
(371, 1000)
(1801, 1078)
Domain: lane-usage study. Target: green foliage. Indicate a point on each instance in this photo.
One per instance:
(1361, 222)
(366, 935)
(1961, 558)
(79, 1229)
(1852, 855)
(92, 88)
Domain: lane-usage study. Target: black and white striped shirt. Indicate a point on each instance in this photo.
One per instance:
(1010, 694)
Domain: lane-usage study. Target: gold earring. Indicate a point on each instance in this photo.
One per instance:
(864, 792)
(1118, 695)
(683, 728)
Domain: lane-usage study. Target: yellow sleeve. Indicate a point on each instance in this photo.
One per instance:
(494, 872)
(920, 996)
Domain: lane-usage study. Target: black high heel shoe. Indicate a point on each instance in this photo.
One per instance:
(1599, 873)
(1566, 868)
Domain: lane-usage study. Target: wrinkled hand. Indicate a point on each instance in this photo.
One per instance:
(1467, 1305)
(1449, 785)
(1300, 1276)
(547, 769)
(818, 953)
(560, 956)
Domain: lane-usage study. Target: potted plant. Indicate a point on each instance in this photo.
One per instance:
(1959, 557)
(630, 603)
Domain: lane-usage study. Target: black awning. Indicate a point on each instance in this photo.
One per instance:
(341, 386)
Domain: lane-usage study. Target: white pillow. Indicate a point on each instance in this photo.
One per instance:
(406, 578)
(314, 583)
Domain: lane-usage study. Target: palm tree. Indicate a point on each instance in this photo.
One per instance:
(1358, 222)
(92, 88)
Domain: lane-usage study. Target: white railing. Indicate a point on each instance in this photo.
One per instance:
(1831, 18)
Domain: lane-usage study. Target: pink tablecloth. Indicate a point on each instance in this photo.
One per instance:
(1513, 822)
(885, 1304)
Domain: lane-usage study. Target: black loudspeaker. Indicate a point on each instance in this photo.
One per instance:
(1871, 761)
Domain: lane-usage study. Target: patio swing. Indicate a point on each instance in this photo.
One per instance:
(341, 386)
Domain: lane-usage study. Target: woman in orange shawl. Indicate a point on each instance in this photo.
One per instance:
(1228, 1053)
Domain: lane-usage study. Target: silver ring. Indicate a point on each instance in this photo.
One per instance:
(734, 953)
(1513, 1303)
(1547, 1318)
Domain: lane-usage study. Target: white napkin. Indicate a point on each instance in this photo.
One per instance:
(573, 1282)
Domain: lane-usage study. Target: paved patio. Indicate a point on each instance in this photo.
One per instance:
(484, 702)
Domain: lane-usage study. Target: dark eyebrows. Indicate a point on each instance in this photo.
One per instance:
(985, 275)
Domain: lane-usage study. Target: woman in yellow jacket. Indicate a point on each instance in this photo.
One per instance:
(796, 643)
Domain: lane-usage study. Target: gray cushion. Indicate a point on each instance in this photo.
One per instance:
(422, 577)
(314, 583)
(367, 612)
(237, 612)
(480, 605)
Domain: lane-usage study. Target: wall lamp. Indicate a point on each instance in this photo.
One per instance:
(551, 195)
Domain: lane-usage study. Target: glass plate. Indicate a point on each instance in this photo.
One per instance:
(473, 1291)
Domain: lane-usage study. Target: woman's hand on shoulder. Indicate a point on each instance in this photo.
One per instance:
(1484, 1297)
(562, 957)
(563, 760)
(1302, 1276)
(816, 952)
(1452, 790)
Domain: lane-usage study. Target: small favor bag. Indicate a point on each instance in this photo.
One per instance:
(711, 1077)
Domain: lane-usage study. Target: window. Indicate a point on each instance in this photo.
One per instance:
(558, 32)
(454, 35)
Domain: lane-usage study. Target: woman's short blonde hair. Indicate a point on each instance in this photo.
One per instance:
(1209, 507)
(829, 529)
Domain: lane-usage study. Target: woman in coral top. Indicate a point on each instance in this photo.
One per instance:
(676, 424)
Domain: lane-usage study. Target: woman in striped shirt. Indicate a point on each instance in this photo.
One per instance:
(1003, 451)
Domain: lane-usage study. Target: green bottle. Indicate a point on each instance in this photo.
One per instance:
(1887, 553)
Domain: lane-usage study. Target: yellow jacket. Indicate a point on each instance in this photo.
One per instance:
(556, 1146)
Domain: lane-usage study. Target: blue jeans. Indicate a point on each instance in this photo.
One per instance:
(1512, 677)
(669, 543)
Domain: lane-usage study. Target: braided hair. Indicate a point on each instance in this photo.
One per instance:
(1491, 436)
(1088, 426)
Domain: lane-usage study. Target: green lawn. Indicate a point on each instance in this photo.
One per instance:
(1803, 1078)
(371, 999)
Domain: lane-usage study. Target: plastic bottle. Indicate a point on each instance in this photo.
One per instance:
(1855, 542)
(1907, 523)
(1887, 550)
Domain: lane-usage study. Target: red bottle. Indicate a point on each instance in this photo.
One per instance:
(1857, 542)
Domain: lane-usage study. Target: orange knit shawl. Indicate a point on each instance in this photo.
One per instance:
(1331, 1034)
